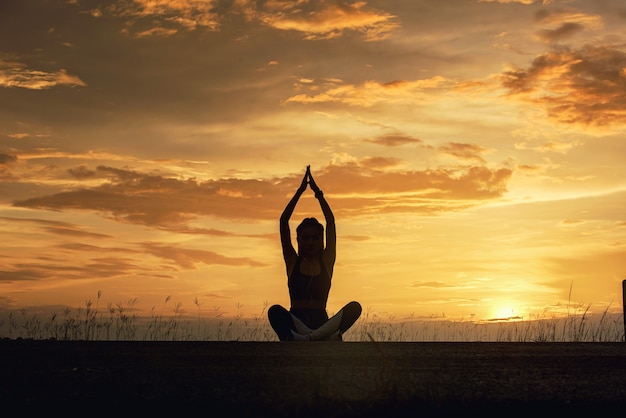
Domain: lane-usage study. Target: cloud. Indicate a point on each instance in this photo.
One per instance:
(188, 258)
(395, 140)
(566, 23)
(7, 158)
(328, 19)
(81, 172)
(48, 269)
(551, 146)
(380, 162)
(5, 171)
(563, 16)
(316, 19)
(529, 168)
(433, 284)
(585, 86)
(513, 1)
(14, 74)
(466, 152)
(564, 31)
(163, 17)
(371, 93)
(170, 203)
(572, 221)
(57, 227)
(59, 259)
(21, 274)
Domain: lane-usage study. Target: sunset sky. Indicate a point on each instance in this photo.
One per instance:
(473, 152)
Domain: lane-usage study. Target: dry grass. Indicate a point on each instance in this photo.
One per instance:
(119, 322)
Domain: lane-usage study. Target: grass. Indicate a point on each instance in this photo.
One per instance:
(120, 322)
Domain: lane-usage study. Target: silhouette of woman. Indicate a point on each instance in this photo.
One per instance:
(309, 273)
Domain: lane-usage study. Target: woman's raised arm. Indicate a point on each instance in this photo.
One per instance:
(289, 253)
(331, 235)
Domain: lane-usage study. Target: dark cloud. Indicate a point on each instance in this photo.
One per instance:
(81, 172)
(578, 86)
(21, 274)
(7, 158)
(5, 171)
(564, 31)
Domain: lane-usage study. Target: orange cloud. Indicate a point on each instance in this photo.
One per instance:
(433, 284)
(16, 75)
(552, 146)
(49, 268)
(121, 261)
(171, 203)
(529, 168)
(371, 93)
(325, 19)
(318, 19)
(564, 16)
(57, 227)
(585, 86)
(164, 17)
(395, 140)
(513, 1)
(188, 258)
(380, 162)
(467, 152)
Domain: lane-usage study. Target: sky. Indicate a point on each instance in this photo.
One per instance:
(472, 153)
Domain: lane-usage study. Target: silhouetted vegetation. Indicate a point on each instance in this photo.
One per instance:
(120, 322)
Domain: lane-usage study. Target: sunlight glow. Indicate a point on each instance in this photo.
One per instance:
(505, 313)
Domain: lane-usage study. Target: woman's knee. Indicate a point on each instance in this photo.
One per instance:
(275, 310)
(350, 313)
(353, 309)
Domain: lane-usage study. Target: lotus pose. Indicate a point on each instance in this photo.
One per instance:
(309, 273)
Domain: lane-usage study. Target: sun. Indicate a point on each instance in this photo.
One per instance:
(505, 312)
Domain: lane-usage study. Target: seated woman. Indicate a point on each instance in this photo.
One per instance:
(309, 272)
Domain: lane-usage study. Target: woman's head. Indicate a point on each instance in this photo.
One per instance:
(310, 237)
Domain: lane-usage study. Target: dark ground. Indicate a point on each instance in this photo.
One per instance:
(314, 379)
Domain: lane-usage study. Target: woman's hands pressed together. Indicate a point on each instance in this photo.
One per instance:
(308, 179)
